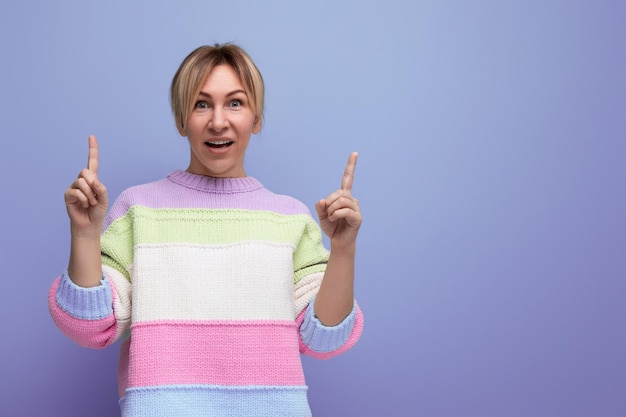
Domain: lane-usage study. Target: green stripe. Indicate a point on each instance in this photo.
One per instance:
(141, 225)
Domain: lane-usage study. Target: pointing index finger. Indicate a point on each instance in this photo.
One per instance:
(92, 161)
(348, 173)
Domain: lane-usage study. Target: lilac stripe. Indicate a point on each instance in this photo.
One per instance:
(184, 190)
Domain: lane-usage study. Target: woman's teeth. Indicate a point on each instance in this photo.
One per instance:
(219, 143)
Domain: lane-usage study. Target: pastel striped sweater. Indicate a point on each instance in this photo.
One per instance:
(209, 282)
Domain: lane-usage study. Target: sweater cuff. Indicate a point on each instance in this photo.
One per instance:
(92, 303)
(321, 338)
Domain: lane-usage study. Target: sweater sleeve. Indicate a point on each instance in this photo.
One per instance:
(317, 340)
(97, 317)
(325, 342)
(86, 315)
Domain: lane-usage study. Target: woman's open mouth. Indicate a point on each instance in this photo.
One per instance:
(219, 144)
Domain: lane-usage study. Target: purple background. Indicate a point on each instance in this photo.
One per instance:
(492, 140)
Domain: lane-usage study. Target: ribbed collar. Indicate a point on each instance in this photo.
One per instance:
(215, 184)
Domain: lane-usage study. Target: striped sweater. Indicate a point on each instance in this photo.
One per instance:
(209, 283)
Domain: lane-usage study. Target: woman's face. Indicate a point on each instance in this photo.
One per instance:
(220, 126)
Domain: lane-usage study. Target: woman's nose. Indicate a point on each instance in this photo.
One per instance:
(218, 121)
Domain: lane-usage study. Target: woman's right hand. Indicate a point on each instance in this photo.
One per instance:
(86, 199)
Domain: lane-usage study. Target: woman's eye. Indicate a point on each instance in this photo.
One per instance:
(202, 105)
(235, 103)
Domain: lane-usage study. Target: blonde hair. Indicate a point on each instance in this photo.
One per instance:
(194, 70)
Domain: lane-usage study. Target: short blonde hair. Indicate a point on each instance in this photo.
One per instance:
(194, 70)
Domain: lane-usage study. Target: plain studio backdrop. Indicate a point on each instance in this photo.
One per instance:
(492, 139)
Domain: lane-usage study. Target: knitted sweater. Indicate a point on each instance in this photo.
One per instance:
(210, 283)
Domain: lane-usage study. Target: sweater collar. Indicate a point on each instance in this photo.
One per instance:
(214, 184)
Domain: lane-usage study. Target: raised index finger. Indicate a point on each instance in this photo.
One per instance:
(348, 173)
(92, 161)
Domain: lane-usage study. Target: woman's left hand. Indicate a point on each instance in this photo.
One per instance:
(339, 213)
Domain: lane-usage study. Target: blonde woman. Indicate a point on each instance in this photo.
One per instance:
(214, 284)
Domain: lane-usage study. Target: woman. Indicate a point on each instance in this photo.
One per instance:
(214, 283)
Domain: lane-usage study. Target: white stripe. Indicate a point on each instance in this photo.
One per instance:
(250, 280)
(121, 301)
(305, 290)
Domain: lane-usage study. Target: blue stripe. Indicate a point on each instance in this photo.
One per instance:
(320, 338)
(215, 401)
(83, 303)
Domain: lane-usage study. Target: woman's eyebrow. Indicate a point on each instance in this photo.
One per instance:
(232, 93)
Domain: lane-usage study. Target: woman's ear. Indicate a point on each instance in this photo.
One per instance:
(256, 128)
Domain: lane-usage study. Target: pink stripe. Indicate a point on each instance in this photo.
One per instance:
(225, 353)
(87, 333)
(352, 339)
